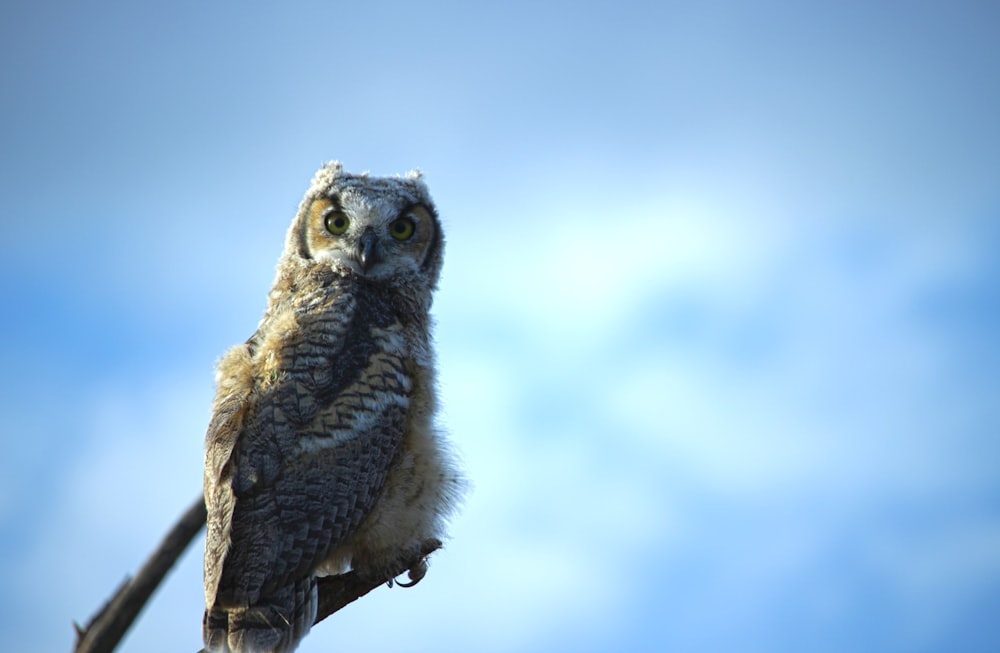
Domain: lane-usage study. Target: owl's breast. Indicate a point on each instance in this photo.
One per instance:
(334, 368)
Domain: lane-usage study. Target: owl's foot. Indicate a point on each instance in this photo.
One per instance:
(417, 568)
(415, 573)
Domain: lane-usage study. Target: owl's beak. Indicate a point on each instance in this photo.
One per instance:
(368, 253)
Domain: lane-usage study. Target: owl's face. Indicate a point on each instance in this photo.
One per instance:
(373, 228)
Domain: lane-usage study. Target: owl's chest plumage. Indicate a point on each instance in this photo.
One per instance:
(331, 363)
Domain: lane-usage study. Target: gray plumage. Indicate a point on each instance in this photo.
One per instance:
(322, 454)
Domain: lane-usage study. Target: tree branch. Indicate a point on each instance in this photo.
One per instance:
(336, 592)
(109, 625)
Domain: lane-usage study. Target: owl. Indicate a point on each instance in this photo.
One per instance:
(322, 453)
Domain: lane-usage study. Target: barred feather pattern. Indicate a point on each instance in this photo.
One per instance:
(329, 402)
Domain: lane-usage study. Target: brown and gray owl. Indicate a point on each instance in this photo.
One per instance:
(322, 454)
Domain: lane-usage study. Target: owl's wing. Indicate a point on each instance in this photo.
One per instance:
(307, 462)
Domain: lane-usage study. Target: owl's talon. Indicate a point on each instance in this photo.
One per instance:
(416, 573)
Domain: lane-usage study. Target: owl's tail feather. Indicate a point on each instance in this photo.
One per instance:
(274, 625)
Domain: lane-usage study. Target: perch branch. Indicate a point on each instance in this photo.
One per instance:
(336, 592)
(112, 621)
(109, 625)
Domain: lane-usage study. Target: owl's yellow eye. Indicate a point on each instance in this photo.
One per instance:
(401, 229)
(336, 222)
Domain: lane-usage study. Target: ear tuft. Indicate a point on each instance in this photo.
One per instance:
(324, 177)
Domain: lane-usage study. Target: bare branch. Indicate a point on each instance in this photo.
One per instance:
(110, 624)
(335, 592)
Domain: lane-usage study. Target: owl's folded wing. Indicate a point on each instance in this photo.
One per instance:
(307, 466)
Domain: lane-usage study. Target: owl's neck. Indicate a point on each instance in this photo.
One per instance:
(303, 287)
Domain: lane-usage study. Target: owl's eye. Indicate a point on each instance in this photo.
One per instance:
(336, 222)
(401, 229)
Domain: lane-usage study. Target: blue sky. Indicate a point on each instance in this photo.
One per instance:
(718, 329)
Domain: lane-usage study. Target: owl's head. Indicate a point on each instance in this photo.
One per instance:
(384, 229)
